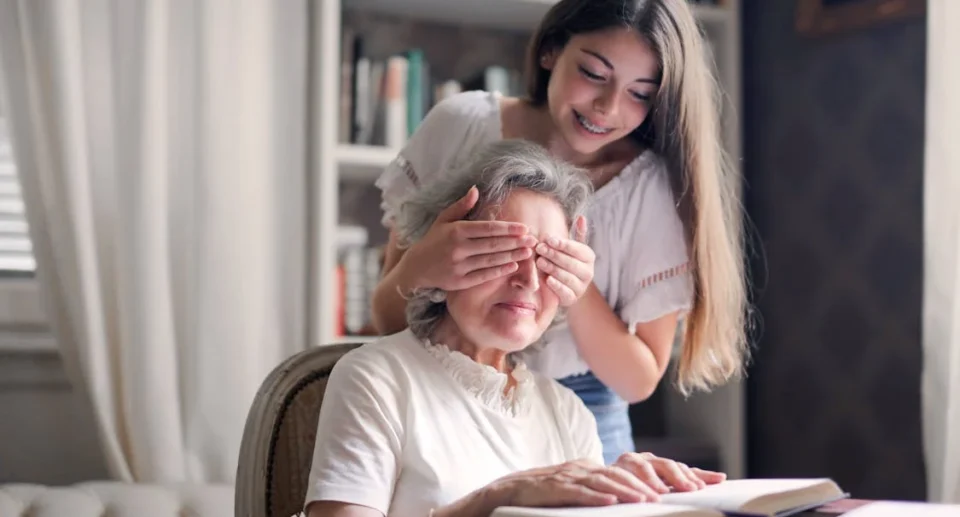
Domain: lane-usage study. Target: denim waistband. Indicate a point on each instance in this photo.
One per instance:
(593, 392)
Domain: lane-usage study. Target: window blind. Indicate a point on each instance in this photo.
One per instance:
(16, 252)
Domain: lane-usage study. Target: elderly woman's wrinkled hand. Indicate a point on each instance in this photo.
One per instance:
(665, 475)
(634, 478)
(569, 264)
(575, 483)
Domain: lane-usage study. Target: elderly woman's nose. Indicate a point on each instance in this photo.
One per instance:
(527, 276)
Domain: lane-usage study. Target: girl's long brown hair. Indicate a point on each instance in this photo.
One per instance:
(683, 128)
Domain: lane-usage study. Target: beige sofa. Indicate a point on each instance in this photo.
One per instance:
(115, 499)
(275, 457)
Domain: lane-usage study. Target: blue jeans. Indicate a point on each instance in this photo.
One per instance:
(613, 420)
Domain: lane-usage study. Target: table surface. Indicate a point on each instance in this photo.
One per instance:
(836, 508)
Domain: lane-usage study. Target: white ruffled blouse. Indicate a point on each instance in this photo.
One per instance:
(407, 426)
(485, 383)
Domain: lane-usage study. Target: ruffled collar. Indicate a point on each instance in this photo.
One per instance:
(486, 383)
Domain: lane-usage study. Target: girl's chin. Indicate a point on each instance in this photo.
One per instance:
(586, 146)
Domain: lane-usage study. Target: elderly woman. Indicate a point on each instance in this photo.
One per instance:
(443, 419)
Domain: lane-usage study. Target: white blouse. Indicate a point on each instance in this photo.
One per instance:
(633, 225)
(408, 426)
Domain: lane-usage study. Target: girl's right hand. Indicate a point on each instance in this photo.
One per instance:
(457, 254)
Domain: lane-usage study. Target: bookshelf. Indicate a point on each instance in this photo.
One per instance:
(716, 418)
(519, 15)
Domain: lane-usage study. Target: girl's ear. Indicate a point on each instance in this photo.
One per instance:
(548, 59)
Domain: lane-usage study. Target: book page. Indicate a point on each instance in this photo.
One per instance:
(898, 509)
(617, 510)
(733, 495)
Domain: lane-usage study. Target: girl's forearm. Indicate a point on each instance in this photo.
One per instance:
(620, 359)
(388, 306)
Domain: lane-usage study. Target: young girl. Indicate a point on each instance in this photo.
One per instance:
(622, 89)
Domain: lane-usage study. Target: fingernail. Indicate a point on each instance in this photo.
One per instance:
(553, 241)
(542, 248)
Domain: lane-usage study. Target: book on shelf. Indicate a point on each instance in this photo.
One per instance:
(382, 101)
(732, 498)
(358, 272)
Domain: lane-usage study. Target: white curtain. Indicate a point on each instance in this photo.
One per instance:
(941, 297)
(162, 147)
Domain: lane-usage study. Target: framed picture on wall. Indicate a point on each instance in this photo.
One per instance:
(822, 17)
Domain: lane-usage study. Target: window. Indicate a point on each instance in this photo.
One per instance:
(16, 253)
(23, 320)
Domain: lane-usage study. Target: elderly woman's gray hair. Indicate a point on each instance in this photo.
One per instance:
(496, 170)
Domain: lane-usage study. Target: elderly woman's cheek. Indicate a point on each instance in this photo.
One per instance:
(549, 302)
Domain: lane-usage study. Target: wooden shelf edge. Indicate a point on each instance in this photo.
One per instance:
(337, 340)
(362, 162)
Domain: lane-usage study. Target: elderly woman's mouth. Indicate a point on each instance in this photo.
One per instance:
(518, 307)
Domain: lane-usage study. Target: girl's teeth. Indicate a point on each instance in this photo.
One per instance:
(590, 127)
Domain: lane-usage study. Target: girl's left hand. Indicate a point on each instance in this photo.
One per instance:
(568, 264)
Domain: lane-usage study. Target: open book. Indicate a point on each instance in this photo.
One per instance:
(761, 497)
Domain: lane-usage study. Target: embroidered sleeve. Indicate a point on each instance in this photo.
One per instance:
(396, 182)
(658, 295)
(656, 277)
(438, 139)
(666, 274)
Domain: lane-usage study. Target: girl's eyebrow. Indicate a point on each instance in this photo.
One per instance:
(609, 65)
(599, 56)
